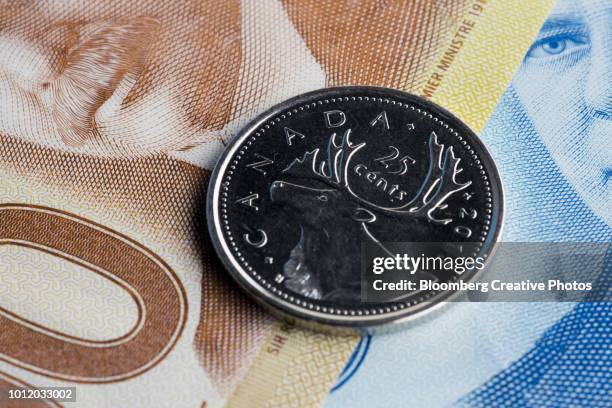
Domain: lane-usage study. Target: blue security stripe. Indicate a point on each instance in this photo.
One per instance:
(355, 361)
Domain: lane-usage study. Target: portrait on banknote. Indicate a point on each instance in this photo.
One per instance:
(114, 112)
(116, 79)
(565, 87)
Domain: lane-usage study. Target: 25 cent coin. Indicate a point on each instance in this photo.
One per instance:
(302, 188)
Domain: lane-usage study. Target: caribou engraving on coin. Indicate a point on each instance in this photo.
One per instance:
(304, 187)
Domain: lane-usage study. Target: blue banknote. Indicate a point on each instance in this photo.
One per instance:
(551, 137)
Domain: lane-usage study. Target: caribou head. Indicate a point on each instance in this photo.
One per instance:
(333, 218)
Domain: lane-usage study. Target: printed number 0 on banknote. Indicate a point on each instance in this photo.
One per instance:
(112, 114)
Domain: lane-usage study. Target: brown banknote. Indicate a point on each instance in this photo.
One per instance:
(112, 114)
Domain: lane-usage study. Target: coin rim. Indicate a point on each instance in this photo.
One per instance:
(288, 309)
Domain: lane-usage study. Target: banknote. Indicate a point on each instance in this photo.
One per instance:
(112, 114)
(548, 135)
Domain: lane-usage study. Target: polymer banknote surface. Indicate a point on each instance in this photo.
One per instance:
(548, 135)
(112, 114)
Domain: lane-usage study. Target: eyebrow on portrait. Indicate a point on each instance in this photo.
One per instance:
(556, 23)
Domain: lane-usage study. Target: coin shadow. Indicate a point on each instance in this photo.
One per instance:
(231, 326)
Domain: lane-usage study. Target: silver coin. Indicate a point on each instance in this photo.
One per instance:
(302, 188)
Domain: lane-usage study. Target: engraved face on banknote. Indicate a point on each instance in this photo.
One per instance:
(565, 85)
(125, 79)
(86, 85)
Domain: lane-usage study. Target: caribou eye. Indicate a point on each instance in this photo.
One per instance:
(322, 197)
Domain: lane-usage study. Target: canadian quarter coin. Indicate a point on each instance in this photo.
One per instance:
(303, 186)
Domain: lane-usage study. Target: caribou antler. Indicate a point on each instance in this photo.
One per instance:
(438, 185)
(334, 169)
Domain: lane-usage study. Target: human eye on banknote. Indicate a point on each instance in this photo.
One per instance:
(560, 37)
(561, 44)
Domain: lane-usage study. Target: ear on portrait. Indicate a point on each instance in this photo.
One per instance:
(92, 71)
